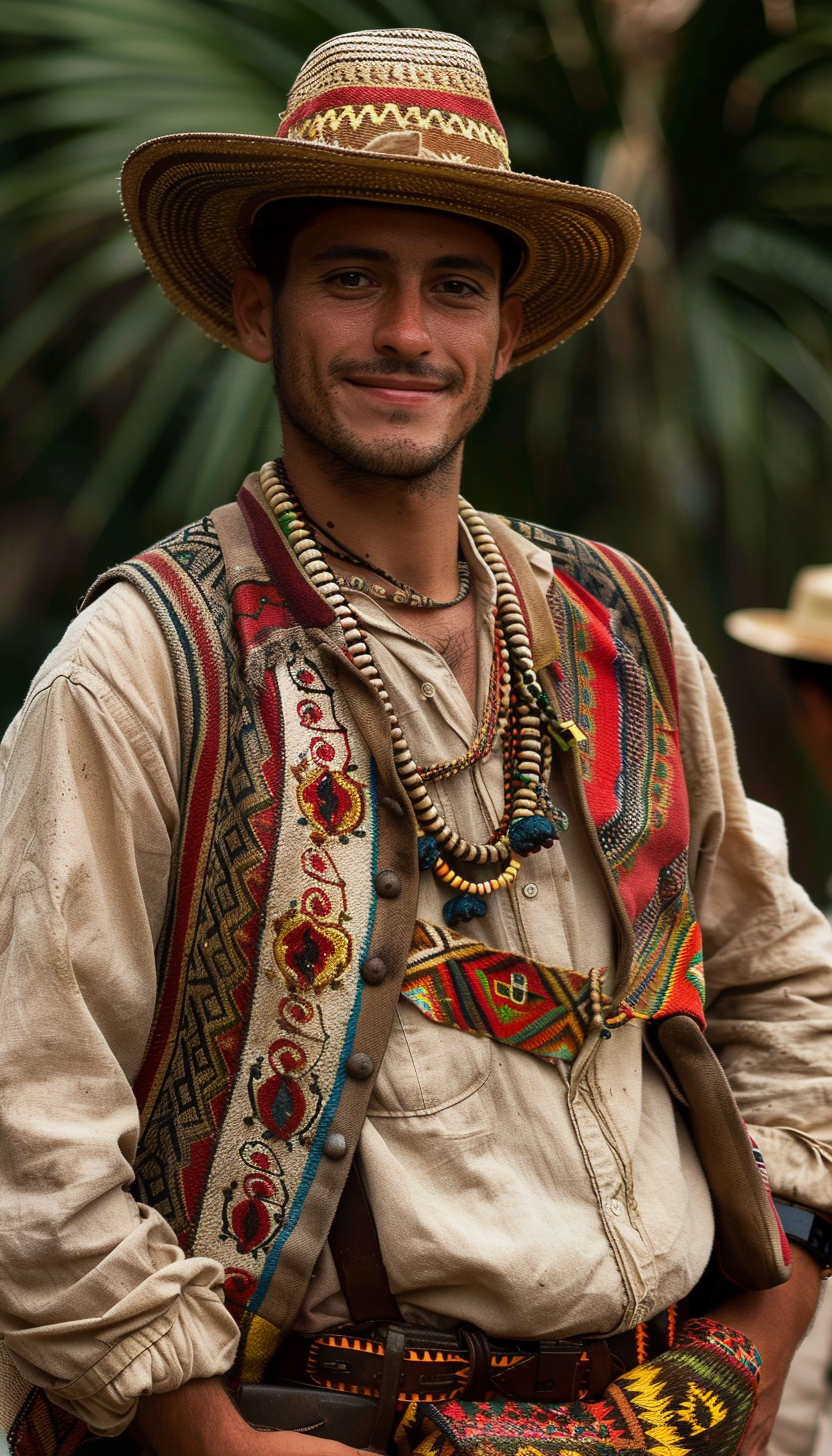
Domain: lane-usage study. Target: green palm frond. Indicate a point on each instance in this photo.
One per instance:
(95, 79)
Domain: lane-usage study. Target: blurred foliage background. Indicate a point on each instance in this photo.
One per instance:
(691, 424)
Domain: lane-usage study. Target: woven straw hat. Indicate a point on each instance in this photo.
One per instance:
(804, 630)
(402, 117)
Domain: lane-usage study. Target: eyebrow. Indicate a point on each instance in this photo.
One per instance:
(469, 262)
(340, 252)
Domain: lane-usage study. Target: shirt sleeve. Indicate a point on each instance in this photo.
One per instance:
(98, 1304)
(768, 950)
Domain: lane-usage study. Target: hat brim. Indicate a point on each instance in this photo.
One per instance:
(190, 201)
(775, 632)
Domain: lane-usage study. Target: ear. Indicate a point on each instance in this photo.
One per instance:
(511, 322)
(252, 300)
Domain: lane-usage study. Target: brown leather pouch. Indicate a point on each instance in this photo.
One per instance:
(331, 1415)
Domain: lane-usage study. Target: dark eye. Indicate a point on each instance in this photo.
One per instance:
(457, 287)
(350, 279)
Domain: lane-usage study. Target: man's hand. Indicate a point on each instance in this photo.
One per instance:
(200, 1419)
(776, 1320)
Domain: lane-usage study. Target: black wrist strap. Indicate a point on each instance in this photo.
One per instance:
(811, 1230)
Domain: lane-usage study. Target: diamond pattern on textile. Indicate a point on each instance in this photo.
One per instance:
(458, 982)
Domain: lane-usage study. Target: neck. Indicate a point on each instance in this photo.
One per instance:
(409, 527)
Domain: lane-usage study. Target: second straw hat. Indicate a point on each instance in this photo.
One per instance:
(804, 630)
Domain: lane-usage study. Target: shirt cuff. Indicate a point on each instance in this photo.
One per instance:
(799, 1168)
(191, 1337)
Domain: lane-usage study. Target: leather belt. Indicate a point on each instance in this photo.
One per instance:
(351, 1382)
(434, 1365)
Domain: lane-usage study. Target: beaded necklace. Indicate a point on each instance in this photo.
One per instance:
(404, 595)
(530, 821)
(494, 718)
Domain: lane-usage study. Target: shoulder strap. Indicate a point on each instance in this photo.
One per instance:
(353, 1241)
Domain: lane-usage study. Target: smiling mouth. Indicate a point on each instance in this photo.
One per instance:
(396, 385)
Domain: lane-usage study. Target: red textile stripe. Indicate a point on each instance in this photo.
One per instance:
(470, 106)
(307, 606)
(604, 745)
(195, 825)
(647, 607)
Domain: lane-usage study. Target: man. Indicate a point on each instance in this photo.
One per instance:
(801, 637)
(352, 982)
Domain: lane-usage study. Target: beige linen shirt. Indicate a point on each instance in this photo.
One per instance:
(507, 1192)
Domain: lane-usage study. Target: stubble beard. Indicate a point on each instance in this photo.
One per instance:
(401, 463)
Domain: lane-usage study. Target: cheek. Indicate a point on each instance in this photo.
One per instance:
(470, 343)
(316, 328)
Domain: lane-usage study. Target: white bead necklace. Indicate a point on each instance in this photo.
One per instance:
(530, 822)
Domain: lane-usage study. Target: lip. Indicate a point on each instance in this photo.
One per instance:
(412, 391)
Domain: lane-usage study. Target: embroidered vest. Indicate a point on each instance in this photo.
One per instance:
(272, 901)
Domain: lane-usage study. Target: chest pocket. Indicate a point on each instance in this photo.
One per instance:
(427, 1068)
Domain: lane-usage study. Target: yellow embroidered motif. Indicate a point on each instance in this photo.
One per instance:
(702, 1409)
(260, 1341)
(646, 1391)
(310, 952)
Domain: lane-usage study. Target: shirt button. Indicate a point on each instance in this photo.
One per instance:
(360, 1066)
(335, 1147)
(388, 884)
(373, 971)
(615, 1208)
(392, 806)
(530, 892)
(427, 690)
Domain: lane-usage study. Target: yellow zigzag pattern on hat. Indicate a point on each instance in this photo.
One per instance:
(409, 118)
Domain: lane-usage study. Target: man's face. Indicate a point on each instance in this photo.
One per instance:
(389, 331)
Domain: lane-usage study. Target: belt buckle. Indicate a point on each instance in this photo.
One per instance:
(346, 1363)
(558, 1379)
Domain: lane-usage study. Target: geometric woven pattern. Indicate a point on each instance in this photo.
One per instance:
(486, 992)
(696, 1398)
(360, 85)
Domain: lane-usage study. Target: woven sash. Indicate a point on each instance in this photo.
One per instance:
(457, 982)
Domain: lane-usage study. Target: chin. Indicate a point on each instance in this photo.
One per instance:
(402, 457)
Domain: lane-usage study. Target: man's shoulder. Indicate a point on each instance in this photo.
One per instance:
(610, 576)
(193, 553)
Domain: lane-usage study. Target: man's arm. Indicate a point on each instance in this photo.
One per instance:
(776, 1320)
(768, 966)
(98, 1304)
(767, 949)
(200, 1419)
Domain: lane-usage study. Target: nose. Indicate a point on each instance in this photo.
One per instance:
(401, 329)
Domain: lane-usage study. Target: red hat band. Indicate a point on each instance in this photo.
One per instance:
(415, 96)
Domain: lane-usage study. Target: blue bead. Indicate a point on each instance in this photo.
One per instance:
(428, 852)
(528, 835)
(463, 907)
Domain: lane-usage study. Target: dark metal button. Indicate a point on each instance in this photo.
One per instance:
(393, 806)
(373, 971)
(335, 1147)
(388, 884)
(360, 1066)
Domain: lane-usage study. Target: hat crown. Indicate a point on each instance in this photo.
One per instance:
(810, 600)
(369, 89)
